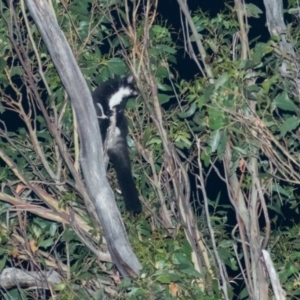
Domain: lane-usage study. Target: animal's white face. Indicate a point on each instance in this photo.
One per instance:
(122, 93)
(125, 90)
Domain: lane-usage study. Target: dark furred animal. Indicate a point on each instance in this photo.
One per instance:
(110, 99)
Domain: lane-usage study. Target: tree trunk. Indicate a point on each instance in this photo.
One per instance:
(91, 153)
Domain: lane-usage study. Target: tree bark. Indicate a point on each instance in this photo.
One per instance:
(91, 153)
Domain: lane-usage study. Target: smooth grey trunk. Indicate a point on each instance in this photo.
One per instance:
(91, 153)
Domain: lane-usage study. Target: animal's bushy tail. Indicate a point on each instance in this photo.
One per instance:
(121, 162)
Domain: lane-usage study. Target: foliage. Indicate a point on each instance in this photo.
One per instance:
(253, 107)
(248, 108)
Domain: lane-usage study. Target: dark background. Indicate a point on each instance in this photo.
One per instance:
(169, 10)
(186, 67)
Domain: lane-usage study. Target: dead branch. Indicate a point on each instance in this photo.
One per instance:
(91, 158)
(10, 277)
(277, 288)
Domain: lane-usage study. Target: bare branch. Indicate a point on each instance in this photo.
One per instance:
(92, 162)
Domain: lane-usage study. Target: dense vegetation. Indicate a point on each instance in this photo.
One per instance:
(215, 158)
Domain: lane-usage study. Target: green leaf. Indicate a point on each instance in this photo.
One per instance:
(46, 243)
(181, 138)
(233, 264)
(190, 271)
(60, 286)
(221, 80)
(136, 292)
(278, 189)
(144, 229)
(157, 288)
(205, 158)
(163, 98)
(116, 66)
(250, 92)
(214, 140)
(16, 71)
(253, 10)
(214, 47)
(222, 144)
(276, 209)
(125, 283)
(166, 48)
(259, 52)
(79, 10)
(244, 294)
(146, 135)
(208, 91)
(154, 140)
(53, 229)
(247, 64)
(14, 293)
(289, 125)
(175, 277)
(170, 277)
(2, 63)
(188, 113)
(180, 258)
(36, 230)
(164, 278)
(3, 261)
(160, 31)
(131, 103)
(283, 101)
(215, 118)
(267, 84)
(240, 150)
(69, 235)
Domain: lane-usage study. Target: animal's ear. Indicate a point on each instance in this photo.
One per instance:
(130, 79)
